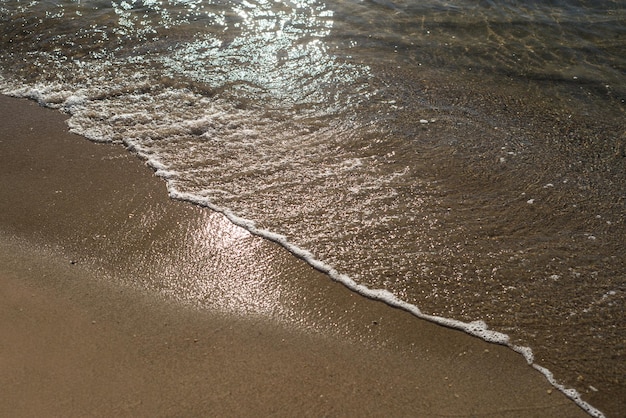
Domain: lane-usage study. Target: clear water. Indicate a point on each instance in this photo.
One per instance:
(466, 156)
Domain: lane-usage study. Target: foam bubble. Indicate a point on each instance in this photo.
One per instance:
(73, 101)
(570, 393)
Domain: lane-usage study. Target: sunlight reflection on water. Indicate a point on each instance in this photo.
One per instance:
(221, 266)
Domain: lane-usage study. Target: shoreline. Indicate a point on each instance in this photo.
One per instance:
(89, 232)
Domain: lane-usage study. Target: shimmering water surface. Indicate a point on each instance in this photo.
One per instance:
(467, 156)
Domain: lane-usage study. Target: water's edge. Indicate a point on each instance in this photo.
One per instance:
(475, 328)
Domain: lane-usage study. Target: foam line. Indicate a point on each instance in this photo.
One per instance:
(475, 328)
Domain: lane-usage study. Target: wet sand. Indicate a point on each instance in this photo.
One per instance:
(118, 300)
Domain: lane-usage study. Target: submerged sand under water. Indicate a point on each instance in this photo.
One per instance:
(466, 158)
(84, 332)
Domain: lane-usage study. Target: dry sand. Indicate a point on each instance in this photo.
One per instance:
(116, 300)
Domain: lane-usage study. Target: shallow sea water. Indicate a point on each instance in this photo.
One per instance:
(467, 157)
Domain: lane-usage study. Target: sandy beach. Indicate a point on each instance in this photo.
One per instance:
(116, 300)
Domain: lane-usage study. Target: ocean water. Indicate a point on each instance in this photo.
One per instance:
(464, 160)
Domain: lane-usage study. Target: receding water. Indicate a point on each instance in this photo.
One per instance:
(466, 156)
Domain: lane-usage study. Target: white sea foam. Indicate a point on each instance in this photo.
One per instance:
(72, 102)
(570, 393)
(475, 328)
